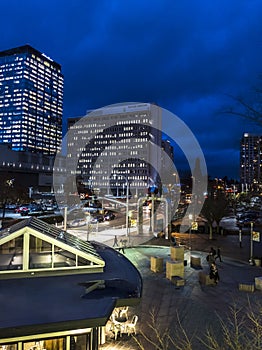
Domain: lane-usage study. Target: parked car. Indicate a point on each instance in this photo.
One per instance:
(96, 219)
(77, 223)
(245, 221)
(10, 206)
(34, 207)
(109, 216)
(48, 207)
(22, 210)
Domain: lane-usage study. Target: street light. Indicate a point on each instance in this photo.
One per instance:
(127, 208)
(240, 236)
(251, 244)
(190, 228)
(127, 202)
(9, 183)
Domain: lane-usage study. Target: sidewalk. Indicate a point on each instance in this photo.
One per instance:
(197, 306)
(229, 244)
(107, 237)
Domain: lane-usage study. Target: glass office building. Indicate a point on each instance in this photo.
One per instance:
(31, 101)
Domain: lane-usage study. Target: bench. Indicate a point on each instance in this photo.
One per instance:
(205, 279)
(178, 281)
(246, 287)
(156, 264)
(258, 283)
(195, 261)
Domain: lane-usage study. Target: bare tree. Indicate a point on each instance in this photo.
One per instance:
(240, 330)
(160, 338)
(250, 109)
(213, 210)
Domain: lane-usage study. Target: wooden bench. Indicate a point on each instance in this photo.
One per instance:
(246, 287)
(205, 279)
(175, 268)
(258, 283)
(178, 281)
(195, 261)
(156, 264)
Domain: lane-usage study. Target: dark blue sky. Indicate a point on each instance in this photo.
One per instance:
(184, 55)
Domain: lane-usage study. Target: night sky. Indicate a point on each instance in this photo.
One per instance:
(186, 56)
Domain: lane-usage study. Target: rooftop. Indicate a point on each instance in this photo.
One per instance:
(59, 302)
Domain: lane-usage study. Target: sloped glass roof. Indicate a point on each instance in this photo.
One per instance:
(53, 232)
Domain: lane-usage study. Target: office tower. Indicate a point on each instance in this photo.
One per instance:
(31, 101)
(122, 143)
(251, 162)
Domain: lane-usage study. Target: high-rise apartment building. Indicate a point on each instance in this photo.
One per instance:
(251, 162)
(118, 144)
(31, 101)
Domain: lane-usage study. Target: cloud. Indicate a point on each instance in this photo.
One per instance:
(185, 56)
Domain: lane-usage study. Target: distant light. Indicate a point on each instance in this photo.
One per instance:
(43, 54)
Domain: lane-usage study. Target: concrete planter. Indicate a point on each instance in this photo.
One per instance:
(257, 262)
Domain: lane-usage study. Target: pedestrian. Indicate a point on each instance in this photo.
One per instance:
(213, 273)
(218, 254)
(122, 246)
(115, 241)
(213, 251)
(173, 239)
(210, 258)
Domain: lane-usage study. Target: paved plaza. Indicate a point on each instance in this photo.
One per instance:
(195, 306)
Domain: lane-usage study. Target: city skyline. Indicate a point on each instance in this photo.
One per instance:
(186, 57)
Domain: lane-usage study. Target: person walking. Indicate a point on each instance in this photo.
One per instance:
(173, 239)
(122, 246)
(213, 273)
(115, 241)
(218, 254)
(210, 258)
(213, 251)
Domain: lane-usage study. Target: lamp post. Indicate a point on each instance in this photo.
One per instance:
(152, 215)
(190, 228)
(240, 236)
(127, 202)
(8, 184)
(127, 209)
(65, 218)
(251, 243)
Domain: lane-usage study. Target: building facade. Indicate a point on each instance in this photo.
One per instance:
(29, 170)
(31, 101)
(117, 147)
(251, 162)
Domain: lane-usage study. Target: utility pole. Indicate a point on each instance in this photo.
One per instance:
(240, 236)
(127, 209)
(251, 244)
(8, 184)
